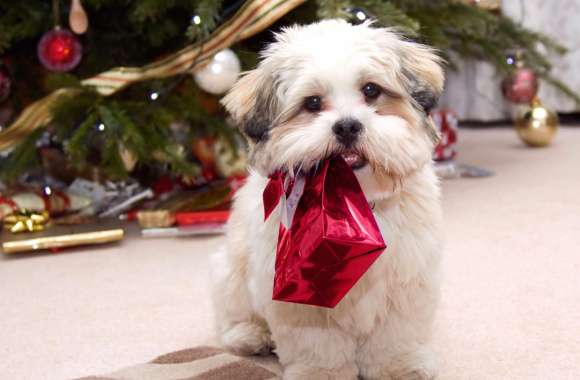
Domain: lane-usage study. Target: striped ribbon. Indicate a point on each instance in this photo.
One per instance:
(253, 17)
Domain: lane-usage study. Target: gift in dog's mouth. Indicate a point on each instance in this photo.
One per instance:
(354, 159)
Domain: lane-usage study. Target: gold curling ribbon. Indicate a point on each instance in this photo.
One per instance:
(26, 221)
(253, 17)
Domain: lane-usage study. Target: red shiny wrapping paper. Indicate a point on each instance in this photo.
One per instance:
(330, 242)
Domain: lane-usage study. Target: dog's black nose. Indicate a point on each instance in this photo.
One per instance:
(347, 130)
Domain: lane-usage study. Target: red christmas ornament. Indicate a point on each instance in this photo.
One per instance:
(5, 83)
(59, 50)
(328, 236)
(446, 123)
(521, 86)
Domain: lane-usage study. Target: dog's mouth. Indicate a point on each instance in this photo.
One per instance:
(354, 159)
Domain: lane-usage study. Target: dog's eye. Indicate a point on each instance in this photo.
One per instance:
(313, 103)
(371, 91)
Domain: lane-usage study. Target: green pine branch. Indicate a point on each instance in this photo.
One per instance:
(23, 158)
(204, 20)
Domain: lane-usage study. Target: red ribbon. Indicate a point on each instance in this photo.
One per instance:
(272, 193)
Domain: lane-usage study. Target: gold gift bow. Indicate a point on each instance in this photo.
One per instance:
(253, 17)
(26, 221)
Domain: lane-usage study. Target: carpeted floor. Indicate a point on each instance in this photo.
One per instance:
(511, 297)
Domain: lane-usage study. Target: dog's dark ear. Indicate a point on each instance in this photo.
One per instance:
(252, 103)
(423, 71)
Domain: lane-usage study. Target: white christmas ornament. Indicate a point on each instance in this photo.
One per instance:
(220, 74)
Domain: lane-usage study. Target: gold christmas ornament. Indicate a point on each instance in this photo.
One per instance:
(535, 124)
(78, 20)
(26, 221)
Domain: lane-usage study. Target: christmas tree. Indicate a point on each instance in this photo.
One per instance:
(161, 118)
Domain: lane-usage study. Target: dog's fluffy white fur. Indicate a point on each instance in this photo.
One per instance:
(380, 330)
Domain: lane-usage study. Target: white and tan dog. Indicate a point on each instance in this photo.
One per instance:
(364, 92)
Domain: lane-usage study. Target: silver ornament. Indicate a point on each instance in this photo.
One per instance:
(220, 74)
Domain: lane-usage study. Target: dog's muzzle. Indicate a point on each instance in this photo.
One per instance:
(347, 131)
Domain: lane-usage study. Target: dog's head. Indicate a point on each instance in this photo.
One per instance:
(336, 88)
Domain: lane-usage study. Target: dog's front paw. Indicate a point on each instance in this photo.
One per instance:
(248, 338)
(415, 365)
(303, 372)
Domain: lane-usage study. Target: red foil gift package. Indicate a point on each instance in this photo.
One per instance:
(328, 236)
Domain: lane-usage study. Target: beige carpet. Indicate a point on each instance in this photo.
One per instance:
(511, 298)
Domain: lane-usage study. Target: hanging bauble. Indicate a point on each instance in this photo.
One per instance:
(77, 18)
(220, 74)
(520, 86)
(5, 83)
(536, 124)
(59, 50)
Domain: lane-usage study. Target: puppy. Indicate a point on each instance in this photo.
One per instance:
(363, 92)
